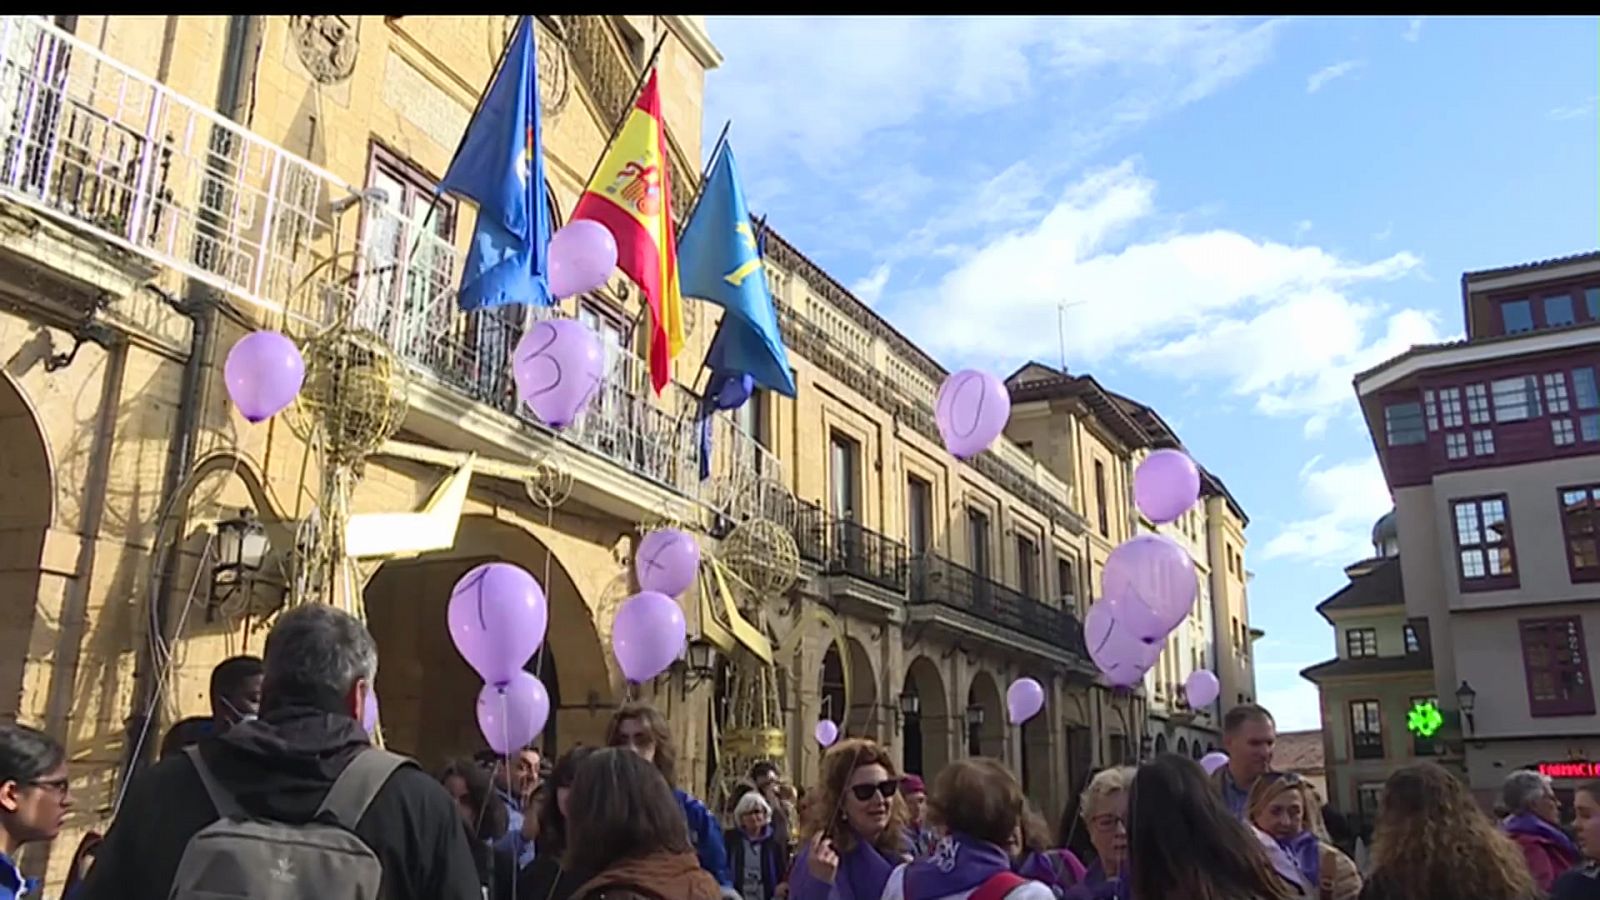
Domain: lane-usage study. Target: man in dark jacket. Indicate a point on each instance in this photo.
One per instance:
(320, 663)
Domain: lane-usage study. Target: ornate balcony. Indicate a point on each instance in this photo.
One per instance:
(96, 146)
(841, 547)
(936, 581)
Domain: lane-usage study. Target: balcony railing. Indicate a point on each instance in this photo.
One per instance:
(940, 581)
(841, 547)
(117, 155)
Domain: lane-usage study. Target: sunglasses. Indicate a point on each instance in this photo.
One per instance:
(864, 792)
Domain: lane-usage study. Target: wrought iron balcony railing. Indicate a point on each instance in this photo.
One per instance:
(935, 579)
(842, 547)
(116, 155)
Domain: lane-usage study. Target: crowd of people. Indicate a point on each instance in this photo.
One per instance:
(279, 793)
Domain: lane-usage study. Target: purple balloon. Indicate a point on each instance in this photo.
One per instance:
(1121, 656)
(826, 732)
(513, 712)
(667, 561)
(1024, 699)
(972, 411)
(497, 619)
(582, 255)
(1201, 688)
(1165, 485)
(1151, 582)
(648, 635)
(558, 366)
(263, 372)
(1213, 761)
(369, 711)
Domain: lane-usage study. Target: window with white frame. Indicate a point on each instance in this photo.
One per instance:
(1562, 432)
(1477, 404)
(1483, 442)
(1455, 445)
(1450, 407)
(1516, 399)
(1555, 392)
(1430, 409)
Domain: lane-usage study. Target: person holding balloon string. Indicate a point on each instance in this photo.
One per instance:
(852, 837)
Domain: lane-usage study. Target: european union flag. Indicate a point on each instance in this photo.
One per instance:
(500, 166)
(719, 261)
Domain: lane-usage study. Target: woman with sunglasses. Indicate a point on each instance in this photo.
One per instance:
(852, 839)
(1283, 807)
(34, 800)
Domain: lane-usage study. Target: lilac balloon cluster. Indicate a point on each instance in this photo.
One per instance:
(649, 633)
(497, 619)
(1024, 700)
(972, 409)
(558, 365)
(1149, 583)
(263, 373)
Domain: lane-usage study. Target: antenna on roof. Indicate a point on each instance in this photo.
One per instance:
(1061, 327)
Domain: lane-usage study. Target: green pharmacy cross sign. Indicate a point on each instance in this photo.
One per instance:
(1424, 720)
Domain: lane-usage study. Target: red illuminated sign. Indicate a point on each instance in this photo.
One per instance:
(1570, 769)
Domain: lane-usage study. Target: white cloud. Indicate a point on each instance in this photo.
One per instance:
(820, 89)
(1302, 228)
(1577, 111)
(870, 289)
(1413, 32)
(1322, 77)
(1384, 234)
(1342, 501)
(1276, 323)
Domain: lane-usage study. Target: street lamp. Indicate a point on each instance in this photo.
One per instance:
(910, 704)
(974, 716)
(1467, 701)
(242, 546)
(700, 662)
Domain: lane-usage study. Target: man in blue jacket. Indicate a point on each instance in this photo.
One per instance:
(643, 729)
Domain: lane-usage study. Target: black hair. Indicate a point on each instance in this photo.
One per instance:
(552, 839)
(1183, 842)
(232, 673)
(185, 732)
(762, 769)
(489, 814)
(28, 754)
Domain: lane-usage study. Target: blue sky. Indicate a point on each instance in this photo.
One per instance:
(1243, 212)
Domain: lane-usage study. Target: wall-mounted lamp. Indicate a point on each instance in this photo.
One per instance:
(241, 550)
(1467, 701)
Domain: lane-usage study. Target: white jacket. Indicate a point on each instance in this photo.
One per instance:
(895, 889)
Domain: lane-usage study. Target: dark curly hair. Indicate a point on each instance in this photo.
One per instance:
(552, 824)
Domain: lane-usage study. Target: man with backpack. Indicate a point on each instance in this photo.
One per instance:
(295, 805)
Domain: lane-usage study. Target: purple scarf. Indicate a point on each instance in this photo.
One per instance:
(1533, 826)
(1096, 886)
(1056, 869)
(862, 874)
(1306, 851)
(957, 864)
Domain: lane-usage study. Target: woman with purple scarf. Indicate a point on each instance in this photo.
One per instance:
(1033, 859)
(1104, 811)
(1534, 825)
(853, 834)
(978, 806)
(1285, 815)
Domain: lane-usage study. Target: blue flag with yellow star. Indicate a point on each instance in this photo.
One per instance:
(719, 262)
(500, 166)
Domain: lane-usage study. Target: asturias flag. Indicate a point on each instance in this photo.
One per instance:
(500, 166)
(632, 196)
(721, 263)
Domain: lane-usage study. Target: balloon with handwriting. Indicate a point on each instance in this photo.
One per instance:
(558, 366)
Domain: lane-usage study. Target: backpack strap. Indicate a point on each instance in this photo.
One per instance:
(356, 787)
(998, 885)
(227, 805)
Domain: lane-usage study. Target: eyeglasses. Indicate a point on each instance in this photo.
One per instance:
(1109, 822)
(60, 785)
(864, 792)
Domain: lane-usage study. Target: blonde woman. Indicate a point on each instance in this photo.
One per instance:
(1104, 810)
(1284, 808)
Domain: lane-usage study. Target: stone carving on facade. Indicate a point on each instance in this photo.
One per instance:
(327, 46)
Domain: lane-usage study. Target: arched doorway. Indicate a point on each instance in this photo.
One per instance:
(831, 688)
(861, 718)
(1038, 773)
(27, 495)
(927, 733)
(1161, 743)
(986, 729)
(428, 691)
(1183, 746)
(1194, 751)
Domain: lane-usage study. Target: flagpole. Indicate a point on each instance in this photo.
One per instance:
(700, 187)
(433, 201)
(616, 128)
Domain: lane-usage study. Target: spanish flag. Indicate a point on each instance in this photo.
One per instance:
(631, 196)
